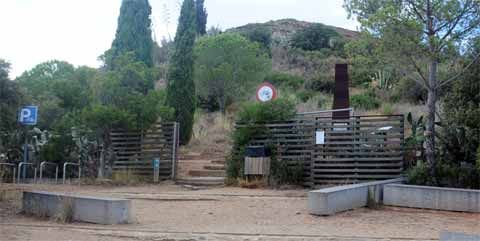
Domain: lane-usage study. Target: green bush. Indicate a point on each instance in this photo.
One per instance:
(277, 110)
(418, 175)
(321, 82)
(252, 117)
(409, 91)
(287, 173)
(305, 95)
(387, 109)
(366, 101)
(447, 174)
(285, 80)
(317, 37)
(261, 35)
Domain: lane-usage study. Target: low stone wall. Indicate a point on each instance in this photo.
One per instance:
(449, 199)
(329, 201)
(84, 209)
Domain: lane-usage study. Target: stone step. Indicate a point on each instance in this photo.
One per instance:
(201, 181)
(221, 162)
(214, 167)
(194, 161)
(206, 173)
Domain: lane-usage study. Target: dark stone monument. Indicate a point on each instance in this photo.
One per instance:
(341, 98)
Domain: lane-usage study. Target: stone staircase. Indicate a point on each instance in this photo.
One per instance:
(200, 170)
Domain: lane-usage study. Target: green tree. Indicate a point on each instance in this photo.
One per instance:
(419, 33)
(202, 16)
(462, 115)
(315, 37)
(10, 100)
(181, 86)
(52, 86)
(227, 67)
(133, 34)
(259, 34)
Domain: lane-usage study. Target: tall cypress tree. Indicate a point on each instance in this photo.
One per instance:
(201, 17)
(181, 87)
(134, 33)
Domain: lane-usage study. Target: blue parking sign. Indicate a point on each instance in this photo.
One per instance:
(28, 115)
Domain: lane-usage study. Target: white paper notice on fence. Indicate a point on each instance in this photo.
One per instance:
(320, 137)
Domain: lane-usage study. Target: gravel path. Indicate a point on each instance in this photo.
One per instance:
(169, 212)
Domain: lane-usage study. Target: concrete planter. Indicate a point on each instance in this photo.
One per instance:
(448, 199)
(81, 208)
(329, 201)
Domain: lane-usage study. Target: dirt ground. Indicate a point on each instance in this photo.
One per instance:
(175, 213)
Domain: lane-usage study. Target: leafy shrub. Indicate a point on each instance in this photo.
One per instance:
(305, 95)
(409, 91)
(261, 35)
(321, 82)
(447, 174)
(387, 109)
(287, 173)
(285, 80)
(252, 117)
(277, 110)
(316, 37)
(366, 101)
(418, 175)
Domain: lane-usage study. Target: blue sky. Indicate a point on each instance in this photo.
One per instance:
(78, 31)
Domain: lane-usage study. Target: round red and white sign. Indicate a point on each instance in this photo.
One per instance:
(266, 92)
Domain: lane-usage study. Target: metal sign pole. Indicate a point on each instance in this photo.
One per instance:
(25, 153)
(156, 170)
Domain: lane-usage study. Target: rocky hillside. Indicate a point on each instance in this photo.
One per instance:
(284, 29)
(308, 64)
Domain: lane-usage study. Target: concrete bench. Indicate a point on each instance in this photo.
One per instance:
(329, 201)
(84, 209)
(448, 199)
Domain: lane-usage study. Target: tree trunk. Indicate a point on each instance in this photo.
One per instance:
(432, 94)
(430, 125)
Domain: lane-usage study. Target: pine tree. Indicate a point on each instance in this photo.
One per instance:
(134, 33)
(201, 17)
(181, 87)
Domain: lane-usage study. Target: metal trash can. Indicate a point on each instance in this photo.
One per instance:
(257, 161)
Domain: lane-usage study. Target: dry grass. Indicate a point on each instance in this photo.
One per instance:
(128, 178)
(211, 134)
(321, 101)
(405, 108)
(64, 213)
(10, 201)
(253, 183)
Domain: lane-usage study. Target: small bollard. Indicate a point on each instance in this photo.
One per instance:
(156, 170)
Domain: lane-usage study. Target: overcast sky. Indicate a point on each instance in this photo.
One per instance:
(78, 31)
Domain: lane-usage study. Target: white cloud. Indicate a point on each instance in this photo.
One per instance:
(78, 31)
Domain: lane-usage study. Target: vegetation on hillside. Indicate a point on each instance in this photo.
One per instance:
(227, 68)
(401, 62)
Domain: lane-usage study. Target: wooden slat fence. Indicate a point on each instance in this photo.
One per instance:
(135, 150)
(357, 149)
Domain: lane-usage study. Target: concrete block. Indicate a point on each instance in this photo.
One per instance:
(448, 199)
(329, 201)
(447, 236)
(84, 209)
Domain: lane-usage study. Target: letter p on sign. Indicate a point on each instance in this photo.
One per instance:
(28, 115)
